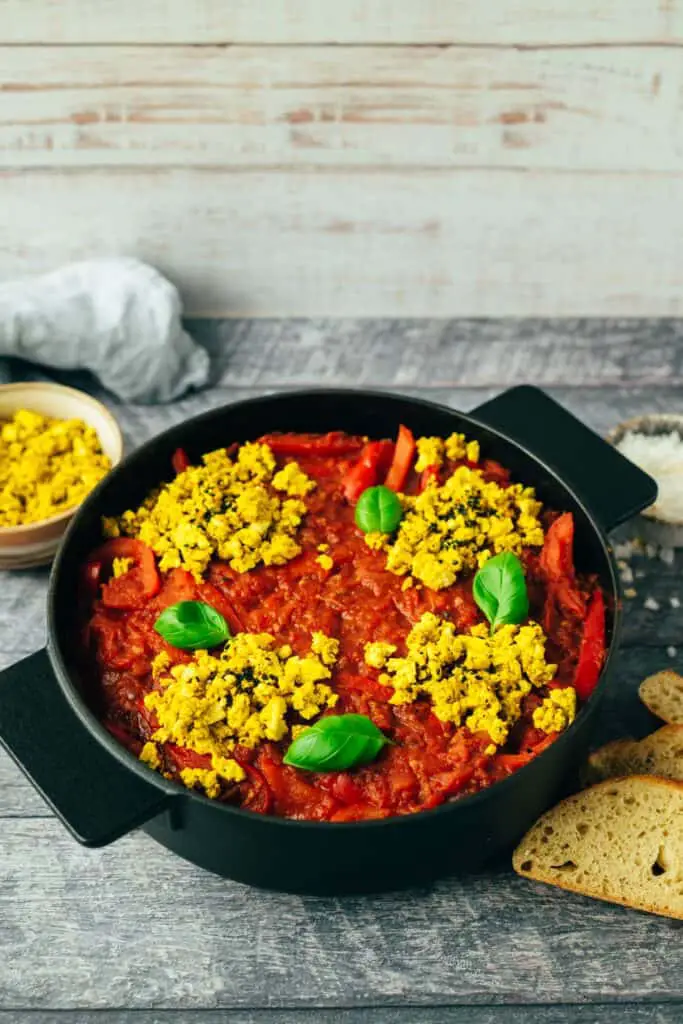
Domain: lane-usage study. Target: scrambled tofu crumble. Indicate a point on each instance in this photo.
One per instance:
(432, 451)
(557, 711)
(47, 466)
(244, 696)
(120, 566)
(456, 527)
(476, 679)
(224, 507)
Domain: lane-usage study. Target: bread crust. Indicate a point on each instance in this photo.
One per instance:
(659, 753)
(662, 694)
(645, 785)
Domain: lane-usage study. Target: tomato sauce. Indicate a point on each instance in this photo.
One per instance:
(428, 762)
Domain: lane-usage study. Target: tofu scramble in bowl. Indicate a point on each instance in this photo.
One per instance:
(56, 445)
(333, 627)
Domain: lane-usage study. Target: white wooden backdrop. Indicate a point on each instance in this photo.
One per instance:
(368, 157)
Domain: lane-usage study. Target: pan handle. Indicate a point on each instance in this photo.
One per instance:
(612, 487)
(93, 794)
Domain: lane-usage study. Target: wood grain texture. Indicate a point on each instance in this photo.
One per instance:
(625, 1013)
(379, 243)
(280, 107)
(529, 22)
(459, 354)
(100, 929)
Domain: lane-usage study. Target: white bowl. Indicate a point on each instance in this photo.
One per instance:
(651, 526)
(22, 547)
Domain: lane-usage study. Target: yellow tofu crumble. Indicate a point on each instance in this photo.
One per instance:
(47, 466)
(293, 481)
(432, 451)
(120, 566)
(475, 679)
(456, 527)
(223, 507)
(243, 696)
(376, 653)
(557, 711)
(150, 755)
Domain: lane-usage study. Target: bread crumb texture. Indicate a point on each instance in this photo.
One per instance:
(433, 451)
(620, 841)
(242, 510)
(662, 694)
(47, 466)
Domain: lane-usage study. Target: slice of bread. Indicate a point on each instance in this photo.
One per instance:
(661, 753)
(662, 693)
(620, 841)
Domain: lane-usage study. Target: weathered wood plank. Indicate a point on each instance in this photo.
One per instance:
(529, 22)
(101, 929)
(459, 354)
(400, 244)
(280, 107)
(627, 1013)
(638, 360)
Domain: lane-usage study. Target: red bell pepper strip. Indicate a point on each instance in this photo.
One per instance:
(592, 651)
(218, 600)
(557, 562)
(493, 471)
(260, 797)
(569, 598)
(403, 457)
(183, 757)
(180, 461)
(134, 587)
(427, 475)
(367, 470)
(557, 559)
(335, 443)
(121, 735)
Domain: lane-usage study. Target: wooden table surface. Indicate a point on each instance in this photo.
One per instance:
(131, 933)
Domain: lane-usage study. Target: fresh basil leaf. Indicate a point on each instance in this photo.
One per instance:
(378, 510)
(500, 590)
(336, 743)
(191, 625)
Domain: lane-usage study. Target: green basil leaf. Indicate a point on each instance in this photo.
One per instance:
(378, 510)
(191, 625)
(500, 590)
(336, 743)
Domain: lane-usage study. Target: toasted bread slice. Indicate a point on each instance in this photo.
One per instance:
(620, 841)
(662, 693)
(661, 753)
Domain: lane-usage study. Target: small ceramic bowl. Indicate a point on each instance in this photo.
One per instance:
(652, 527)
(23, 547)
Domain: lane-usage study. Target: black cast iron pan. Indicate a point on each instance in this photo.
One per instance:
(100, 791)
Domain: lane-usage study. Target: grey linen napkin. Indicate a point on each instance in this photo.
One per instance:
(118, 318)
